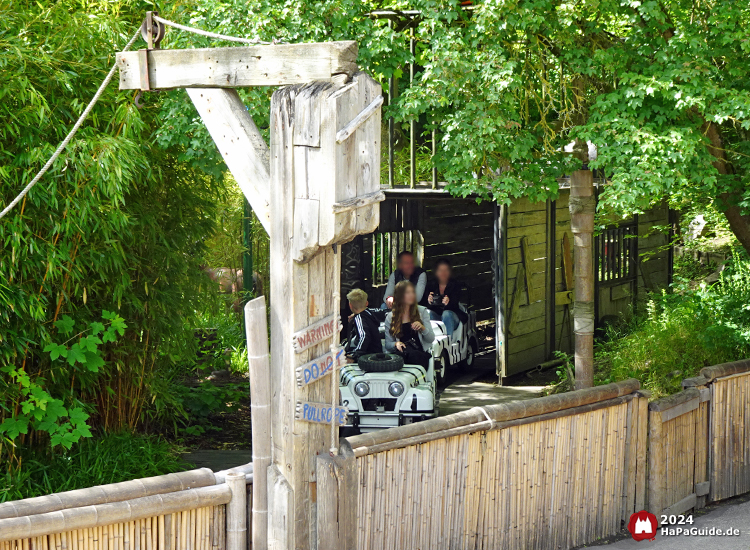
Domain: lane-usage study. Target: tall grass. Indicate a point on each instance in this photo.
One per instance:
(681, 332)
(113, 458)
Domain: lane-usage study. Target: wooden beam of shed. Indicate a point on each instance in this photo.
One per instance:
(274, 65)
(240, 143)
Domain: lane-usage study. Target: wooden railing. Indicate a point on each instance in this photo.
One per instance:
(552, 472)
(195, 510)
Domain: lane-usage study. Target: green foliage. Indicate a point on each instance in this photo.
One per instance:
(118, 224)
(205, 400)
(113, 458)
(29, 406)
(681, 333)
(687, 268)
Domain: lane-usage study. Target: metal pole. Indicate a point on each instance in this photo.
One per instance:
(412, 122)
(247, 255)
(391, 123)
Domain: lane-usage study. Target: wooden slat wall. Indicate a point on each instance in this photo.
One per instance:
(509, 488)
(730, 436)
(197, 529)
(678, 454)
(461, 230)
(526, 343)
(653, 273)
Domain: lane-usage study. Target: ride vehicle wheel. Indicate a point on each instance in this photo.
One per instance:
(442, 373)
(380, 362)
(471, 353)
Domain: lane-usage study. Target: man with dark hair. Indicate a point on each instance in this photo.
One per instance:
(442, 296)
(406, 270)
(364, 333)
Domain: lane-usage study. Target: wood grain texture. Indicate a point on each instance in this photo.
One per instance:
(274, 65)
(240, 143)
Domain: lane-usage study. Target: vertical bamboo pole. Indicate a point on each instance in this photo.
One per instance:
(582, 207)
(256, 330)
(656, 463)
(237, 513)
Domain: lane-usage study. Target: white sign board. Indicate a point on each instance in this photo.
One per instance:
(321, 413)
(318, 368)
(316, 333)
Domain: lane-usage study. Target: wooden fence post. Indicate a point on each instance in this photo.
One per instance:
(641, 461)
(237, 512)
(582, 207)
(702, 442)
(656, 478)
(337, 501)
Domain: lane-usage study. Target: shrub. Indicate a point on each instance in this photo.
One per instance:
(680, 333)
(113, 458)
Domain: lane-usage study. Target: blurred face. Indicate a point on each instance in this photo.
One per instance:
(406, 265)
(443, 273)
(410, 297)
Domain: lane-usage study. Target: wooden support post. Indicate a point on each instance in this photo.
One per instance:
(499, 233)
(337, 501)
(240, 143)
(310, 173)
(582, 208)
(256, 330)
(237, 513)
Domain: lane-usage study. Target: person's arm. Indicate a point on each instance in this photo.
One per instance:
(426, 335)
(390, 287)
(454, 297)
(362, 338)
(421, 284)
(390, 341)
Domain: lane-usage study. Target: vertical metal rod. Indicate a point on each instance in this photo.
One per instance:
(434, 154)
(247, 255)
(412, 122)
(391, 123)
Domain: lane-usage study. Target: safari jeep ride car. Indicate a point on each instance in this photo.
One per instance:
(380, 391)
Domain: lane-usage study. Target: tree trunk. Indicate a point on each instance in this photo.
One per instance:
(739, 223)
(582, 209)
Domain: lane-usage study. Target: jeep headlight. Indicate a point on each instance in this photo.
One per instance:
(361, 389)
(395, 388)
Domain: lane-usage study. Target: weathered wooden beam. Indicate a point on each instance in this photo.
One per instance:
(240, 143)
(274, 65)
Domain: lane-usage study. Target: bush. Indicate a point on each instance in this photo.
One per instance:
(113, 458)
(681, 333)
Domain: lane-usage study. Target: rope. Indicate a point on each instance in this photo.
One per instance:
(71, 134)
(207, 33)
(487, 416)
(334, 449)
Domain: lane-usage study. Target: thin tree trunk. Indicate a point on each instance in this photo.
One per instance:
(739, 223)
(582, 209)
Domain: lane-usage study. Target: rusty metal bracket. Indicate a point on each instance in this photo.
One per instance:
(152, 32)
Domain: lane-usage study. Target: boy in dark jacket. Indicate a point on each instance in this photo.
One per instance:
(364, 336)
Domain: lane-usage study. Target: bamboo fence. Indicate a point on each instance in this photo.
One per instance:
(185, 511)
(729, 434)
(553, 472)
